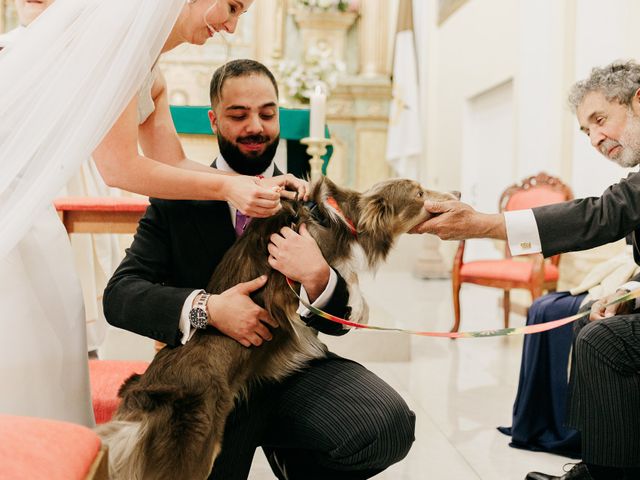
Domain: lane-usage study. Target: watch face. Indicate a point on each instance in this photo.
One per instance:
(198, 318)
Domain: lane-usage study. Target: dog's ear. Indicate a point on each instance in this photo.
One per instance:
(376, 214)
(323, 189)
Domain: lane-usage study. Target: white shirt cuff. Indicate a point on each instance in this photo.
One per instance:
(522, 232)
(631, 286)
(324, 297)
(185, 324)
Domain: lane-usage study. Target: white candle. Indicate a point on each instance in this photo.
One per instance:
(318, 102)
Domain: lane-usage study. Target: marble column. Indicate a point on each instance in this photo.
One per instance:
(270, 30)
(375, 38)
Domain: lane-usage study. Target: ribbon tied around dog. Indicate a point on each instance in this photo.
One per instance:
(526, 330)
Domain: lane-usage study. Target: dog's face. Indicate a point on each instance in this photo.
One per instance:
(397, 205)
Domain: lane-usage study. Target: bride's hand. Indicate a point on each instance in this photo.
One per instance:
(289, 186)
(251, 197)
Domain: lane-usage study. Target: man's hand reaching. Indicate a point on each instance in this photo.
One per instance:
(455, 220)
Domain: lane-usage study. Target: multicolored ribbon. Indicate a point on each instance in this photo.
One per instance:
(526, 330)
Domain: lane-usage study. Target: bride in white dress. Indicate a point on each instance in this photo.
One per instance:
(96, 255)
(71, 87)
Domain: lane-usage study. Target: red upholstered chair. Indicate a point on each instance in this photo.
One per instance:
(535, 274)
(35, 448)
(106, 378)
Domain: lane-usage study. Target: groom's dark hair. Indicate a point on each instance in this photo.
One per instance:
(234, 69)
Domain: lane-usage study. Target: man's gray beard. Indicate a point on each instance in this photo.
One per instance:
(630, 140)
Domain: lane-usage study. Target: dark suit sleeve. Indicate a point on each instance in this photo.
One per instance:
(137, 297)
(590, 222)
(337, 306)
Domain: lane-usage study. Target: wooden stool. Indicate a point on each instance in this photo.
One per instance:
(106, 378)
(34, 448)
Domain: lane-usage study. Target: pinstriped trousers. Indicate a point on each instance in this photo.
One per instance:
(605, 390)
(334, 420)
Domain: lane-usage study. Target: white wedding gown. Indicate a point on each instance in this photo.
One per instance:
(43, 360)
(43, 365)
(61, 88)
(96, 256)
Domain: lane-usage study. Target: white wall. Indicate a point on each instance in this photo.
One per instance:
(484, 115)
(543, 47)
(544, 69)
(602, 35)
(472, 52)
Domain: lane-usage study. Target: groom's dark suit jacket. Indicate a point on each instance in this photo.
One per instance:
(589, 222)
(176, 248)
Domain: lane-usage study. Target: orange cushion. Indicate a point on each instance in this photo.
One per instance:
(102, 204)
(506, 270)
(534, 197)
(35, 448)
(106, 377)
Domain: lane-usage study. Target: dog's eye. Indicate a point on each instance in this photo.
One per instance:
(420, 193)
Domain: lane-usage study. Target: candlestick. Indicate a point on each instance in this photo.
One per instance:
(318, 101)
(317, 148)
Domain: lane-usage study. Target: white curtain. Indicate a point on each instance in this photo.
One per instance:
(404, 141)
(421, 21)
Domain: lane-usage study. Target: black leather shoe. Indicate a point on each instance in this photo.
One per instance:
(578, 472)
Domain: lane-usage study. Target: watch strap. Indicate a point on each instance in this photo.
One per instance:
(199, 316)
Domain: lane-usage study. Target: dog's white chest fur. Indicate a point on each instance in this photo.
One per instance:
(356, 262)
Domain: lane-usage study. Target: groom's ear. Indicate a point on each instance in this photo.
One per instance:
(213, 122)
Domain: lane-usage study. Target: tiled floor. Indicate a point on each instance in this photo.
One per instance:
(460, 390)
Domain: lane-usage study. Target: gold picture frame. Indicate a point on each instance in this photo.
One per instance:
(446, 8)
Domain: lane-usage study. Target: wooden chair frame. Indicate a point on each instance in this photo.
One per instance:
(536, 283)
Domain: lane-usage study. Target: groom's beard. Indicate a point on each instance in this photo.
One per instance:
(252, 163)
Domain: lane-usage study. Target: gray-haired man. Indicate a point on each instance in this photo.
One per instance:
(605, 383)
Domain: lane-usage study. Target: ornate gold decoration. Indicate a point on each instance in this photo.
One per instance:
(325, 30)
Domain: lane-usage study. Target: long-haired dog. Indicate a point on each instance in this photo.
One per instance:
(171, 419)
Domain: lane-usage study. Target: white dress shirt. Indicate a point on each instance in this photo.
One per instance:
(320, 302)
(523, 238)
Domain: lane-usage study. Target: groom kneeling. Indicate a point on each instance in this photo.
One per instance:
(333, 420)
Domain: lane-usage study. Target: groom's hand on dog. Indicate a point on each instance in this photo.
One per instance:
(297, 256)
(237, 316)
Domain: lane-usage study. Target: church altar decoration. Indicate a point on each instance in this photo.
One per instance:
(319, 68)
(325, 5)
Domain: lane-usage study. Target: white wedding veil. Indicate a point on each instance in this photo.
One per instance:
(62, 86)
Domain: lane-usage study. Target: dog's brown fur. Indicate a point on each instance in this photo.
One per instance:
(171, 419)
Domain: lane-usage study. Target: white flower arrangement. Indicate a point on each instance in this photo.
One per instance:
(324, 5)
(318, 68)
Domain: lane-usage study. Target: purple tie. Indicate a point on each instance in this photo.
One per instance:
(241, 222)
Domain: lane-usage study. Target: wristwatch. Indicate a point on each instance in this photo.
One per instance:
(198, 315)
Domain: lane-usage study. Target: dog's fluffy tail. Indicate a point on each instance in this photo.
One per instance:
(123, 441)
(175, 437)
